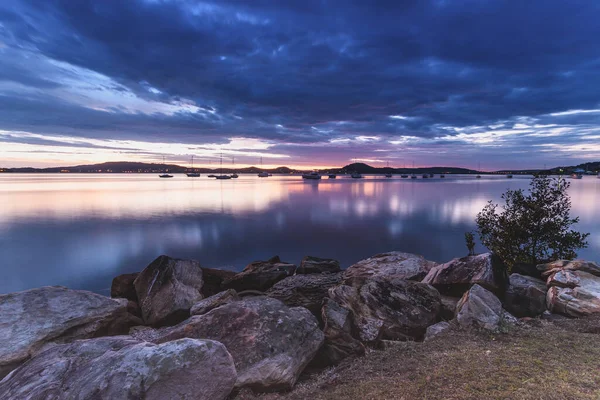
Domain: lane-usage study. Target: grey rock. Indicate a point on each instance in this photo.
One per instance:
(217, 300)
(457, 276)
(564, 278)
(392, 309)
(167, 289)
(394, 264)
(339, 342)
(122, 287)
(436, 329)
(307, 291)
(260, 275)
(270, 342)
(33, 318)
(121, 368)
(315, 265)
(480, 308)
(525, 296)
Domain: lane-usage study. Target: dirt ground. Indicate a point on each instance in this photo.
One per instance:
(536, 360)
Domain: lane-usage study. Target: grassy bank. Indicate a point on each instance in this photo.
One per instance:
(538, 360)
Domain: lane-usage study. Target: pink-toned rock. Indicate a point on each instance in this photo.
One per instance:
(167, 289)
(260, 275)
(457, 276)
(269, 342)
(393, 309)
(393, 265)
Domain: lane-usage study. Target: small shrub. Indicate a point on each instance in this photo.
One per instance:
(470, 241)
(532, 228)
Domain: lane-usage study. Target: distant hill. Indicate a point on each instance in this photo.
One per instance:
(139, 167)
(367, 169)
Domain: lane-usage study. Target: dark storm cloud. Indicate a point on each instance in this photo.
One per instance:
(301, 72)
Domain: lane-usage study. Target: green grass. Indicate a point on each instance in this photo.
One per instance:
(538, 360)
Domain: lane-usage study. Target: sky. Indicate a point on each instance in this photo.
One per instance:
(304, 83)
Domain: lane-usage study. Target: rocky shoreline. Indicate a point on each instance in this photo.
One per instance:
(179, 330)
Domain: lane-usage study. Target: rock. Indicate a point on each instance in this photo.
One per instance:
(315, 265)
(122, 287)
(573, 287)
(580, 301)
(33, 318)
(123, 368)
(391, 265)
(457, 276)
(448, 310)
(572, 265)
(260, 275)
(307, 291)
(525, 296)
(167, 289)
(217, 300)
(213, 280)
(564, 278)
(480, 308)
(393, 309)
(339, 342)
(270, 342)
(436, 329)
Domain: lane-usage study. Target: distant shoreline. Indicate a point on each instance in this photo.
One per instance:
(151, 168)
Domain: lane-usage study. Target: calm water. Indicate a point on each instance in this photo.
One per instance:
(82, 230)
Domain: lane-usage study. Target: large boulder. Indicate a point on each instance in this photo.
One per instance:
(391, 265)
(393, 309)
(525, 296)
(307, 291)
(579, 301)
(122, 287)
(480, 308)
(260, 275)
(214, 301)
(315, 265)
(36, 317)
(339, 342)
(573, 287)
(569, 265)
(213, 280)
(270, 342)
(119, 367)
(457, 276)
(167, 289)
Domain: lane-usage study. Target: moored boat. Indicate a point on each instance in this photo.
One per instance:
(311, 175)
(332, 176)
(356, 175)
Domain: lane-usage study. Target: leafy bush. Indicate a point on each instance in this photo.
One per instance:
(532, 228)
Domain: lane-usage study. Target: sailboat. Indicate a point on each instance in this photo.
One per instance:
(355, 174)
(234, 175)
(193, 174)
(263, 174)
(478, 169)
(222, 176)
(413, 176)
(166, 174)
(389, 174)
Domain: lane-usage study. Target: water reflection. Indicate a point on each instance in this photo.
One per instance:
(81, 230)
